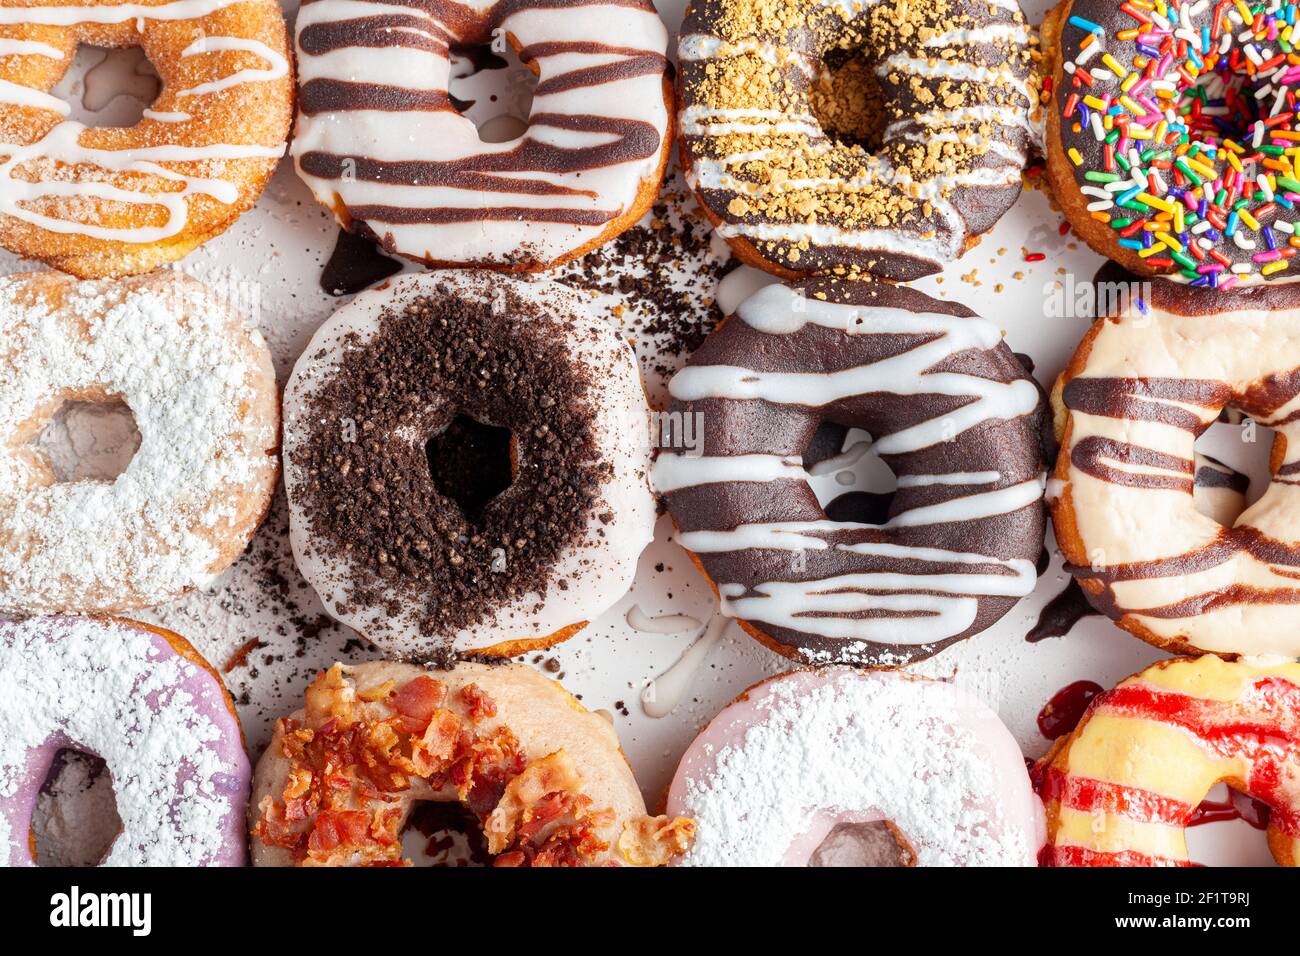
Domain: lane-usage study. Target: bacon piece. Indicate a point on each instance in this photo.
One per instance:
(481, 706)
(653, 841)
(525, 792)
(417, 700)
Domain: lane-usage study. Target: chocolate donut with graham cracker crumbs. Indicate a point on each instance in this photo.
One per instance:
(779, 102)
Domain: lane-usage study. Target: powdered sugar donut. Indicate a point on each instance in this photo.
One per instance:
(145, 701)
(110, 201)
(199, 382)
(381, 144)
(545, 778)
(394, 416)
(802, 761)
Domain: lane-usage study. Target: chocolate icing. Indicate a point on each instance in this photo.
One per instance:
(908, 92)
(1009, 447)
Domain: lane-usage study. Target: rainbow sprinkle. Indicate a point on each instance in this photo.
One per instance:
(1182, 127)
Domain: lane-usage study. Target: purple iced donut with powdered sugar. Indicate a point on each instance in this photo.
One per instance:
(152, 708)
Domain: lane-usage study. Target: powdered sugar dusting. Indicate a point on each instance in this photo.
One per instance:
(200, 387)
(180, 775)
(841, 744)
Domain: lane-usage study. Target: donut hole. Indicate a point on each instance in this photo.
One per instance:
(1231, 467)
(471, 463)
(89, 440)
(1228, 830)
(851, 482)
(873, 843)
(847, 100)
(444, 833)
(76, 820)
(109, 86)
(492, 88)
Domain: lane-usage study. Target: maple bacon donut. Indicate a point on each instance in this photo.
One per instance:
(880, 138)
(544, 778)
(952, 413)
(1122, 788)
(382, 145)
(466, 460)
(119, 201)
(199, 382)
(1143, 385)
(143, 700)
(798, 769)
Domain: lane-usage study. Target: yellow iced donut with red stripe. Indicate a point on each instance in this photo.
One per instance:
(1121, 789)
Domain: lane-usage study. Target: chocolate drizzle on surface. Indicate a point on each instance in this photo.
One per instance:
(374, 500)
(355, 264)
(1061, 613)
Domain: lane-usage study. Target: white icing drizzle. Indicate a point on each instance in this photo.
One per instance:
(664, 624)
(10, 47)
(662, 695)
(71, 15)
(674, 471)
(279, 65)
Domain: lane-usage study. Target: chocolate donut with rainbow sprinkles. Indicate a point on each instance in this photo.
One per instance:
(949, 408)
(824, 136)
(1172, 141)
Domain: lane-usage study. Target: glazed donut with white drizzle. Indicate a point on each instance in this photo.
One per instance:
(952, 412)
(1143, 385)
(779, 108)
(382, 145)
(100, 202)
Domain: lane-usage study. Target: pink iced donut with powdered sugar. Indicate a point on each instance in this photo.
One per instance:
(840, 766)
(152, 708)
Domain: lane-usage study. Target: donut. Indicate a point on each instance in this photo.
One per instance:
(810, 758)
(100, 202)
(382, 145)
(1143, 385)
(1121, 789)
(390, 479)
(157, 713)
(1171, 146)
(952, 412)
(199, 382)
(543, 777)
(880, 138)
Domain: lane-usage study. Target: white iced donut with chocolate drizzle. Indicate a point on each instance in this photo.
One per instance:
(845, 767)
(466, 460)
(109, 201)
(198, 380)
(952, 412)
(1142, 387)
(381, 144)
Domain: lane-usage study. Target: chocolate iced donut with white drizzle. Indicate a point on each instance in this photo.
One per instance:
(779, 107)
(381, 143)
(106, 201)
(1142, 387)
(952, 412)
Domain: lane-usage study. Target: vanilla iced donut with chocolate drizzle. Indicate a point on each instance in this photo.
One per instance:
(952, 412)
(199, 381)
(1142, 387)
(157, 713)
(544, 778)
(109, 201)
(803, 764)
(394, 417)
(381, 144)
(781, 104)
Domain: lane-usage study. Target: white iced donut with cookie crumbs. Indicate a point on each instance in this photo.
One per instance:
(199, 382)
(798, 763)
